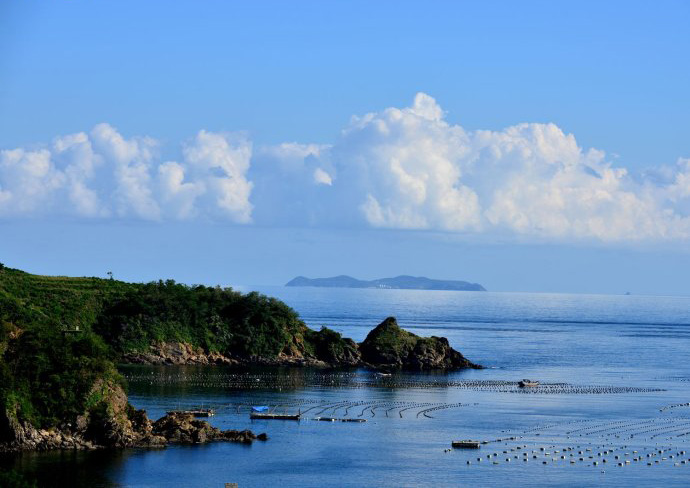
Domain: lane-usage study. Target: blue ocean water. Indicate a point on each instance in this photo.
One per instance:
(615, 381)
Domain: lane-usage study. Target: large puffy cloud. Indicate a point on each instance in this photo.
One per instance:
(398, 168)
(403, 167)
(130, 161)
(76, 155)
(546, 185)
(105, 175)
(409, 168)
(29, 179)
(219, 163)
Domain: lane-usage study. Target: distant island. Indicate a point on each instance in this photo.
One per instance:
(402, 282)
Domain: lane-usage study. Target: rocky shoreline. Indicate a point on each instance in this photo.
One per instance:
(174, 428)
(113, 423)
(386, 347)
(181, 353)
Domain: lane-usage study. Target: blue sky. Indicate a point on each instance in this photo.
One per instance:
(538, 146)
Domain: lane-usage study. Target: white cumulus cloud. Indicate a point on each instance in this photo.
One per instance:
(102, 174)
(27, 181)
(403, 168)
(409, 168)
(219, 162)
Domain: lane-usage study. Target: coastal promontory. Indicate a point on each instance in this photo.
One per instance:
(61, 339)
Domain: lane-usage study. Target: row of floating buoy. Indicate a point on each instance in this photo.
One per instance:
(254, 381)
(650, 428)
(571, 454)
(357, 409)
(676, 405)
(601, 450)
(426, 411)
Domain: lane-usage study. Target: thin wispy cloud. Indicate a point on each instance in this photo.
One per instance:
(403, 168)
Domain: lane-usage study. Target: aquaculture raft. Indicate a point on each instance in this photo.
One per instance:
(466, 444)
(332, 419)
(274, 416)
(199, 412)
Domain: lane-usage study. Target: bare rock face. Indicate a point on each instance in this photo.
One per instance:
(18, 436)
(176, 353)
(389, 346)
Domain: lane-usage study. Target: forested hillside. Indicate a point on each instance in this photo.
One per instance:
(59, 335)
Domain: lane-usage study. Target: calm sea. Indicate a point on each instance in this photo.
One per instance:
(611, 409)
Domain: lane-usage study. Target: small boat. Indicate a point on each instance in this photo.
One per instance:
(466, 444)
(379, 374)
(527, 383)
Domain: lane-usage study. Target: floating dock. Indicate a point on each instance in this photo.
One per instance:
(273, 416)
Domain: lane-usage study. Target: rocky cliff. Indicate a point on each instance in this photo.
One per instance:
(389, 346)
(176, 352)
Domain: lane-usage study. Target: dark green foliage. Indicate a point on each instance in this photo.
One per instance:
(47, 369)
(330, 346)
(216, 319)
(51, 374)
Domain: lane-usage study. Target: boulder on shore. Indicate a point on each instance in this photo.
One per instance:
(183, 428)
